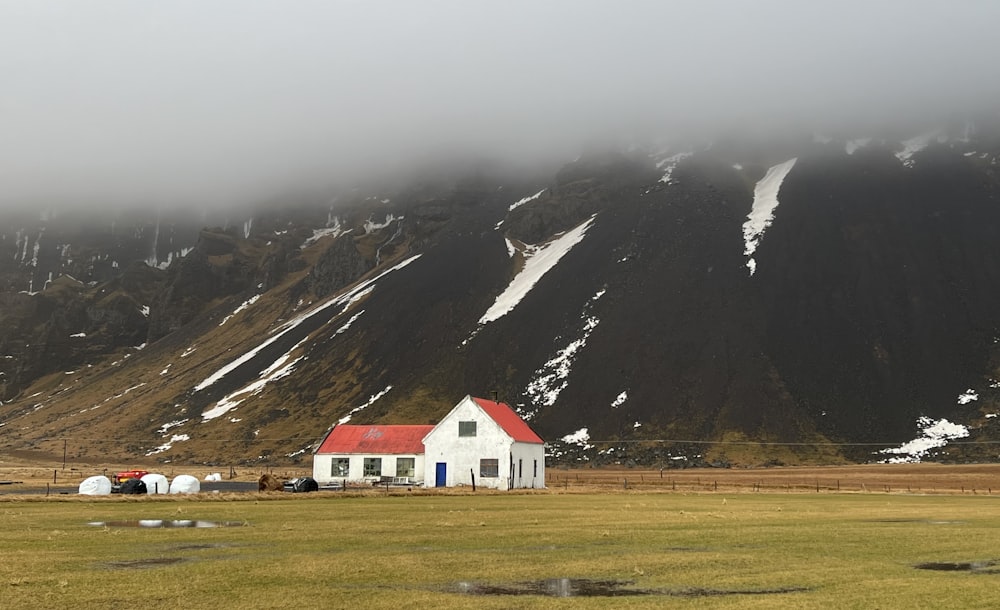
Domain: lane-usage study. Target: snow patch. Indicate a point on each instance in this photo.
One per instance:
(967, 397)
(334, 229)
(669, 164)
(934, 434)
(619, 400)
(173, 424)
(915, 145)
(169, 444)
(580, 437)
(371, 225)
(765, 201)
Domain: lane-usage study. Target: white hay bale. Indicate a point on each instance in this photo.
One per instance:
(185, 484)
(98, 485)
(156, 484)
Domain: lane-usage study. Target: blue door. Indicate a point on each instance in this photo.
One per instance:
(440, 474)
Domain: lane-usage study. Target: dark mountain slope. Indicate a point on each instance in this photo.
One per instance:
(872, 304)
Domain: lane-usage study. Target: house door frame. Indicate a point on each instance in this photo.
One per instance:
(440, 474)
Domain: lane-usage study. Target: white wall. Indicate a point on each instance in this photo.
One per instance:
(462, 454)
(528, 458)
(323, 464)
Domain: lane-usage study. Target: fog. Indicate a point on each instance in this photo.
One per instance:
(215, 102)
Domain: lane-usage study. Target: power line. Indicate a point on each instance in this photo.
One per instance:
(769, 443)
(316, 439)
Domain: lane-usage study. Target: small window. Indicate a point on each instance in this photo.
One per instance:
(405, 467)
(466, 428)
(520, 468)
(340, 467)
(535, 471)
(489, 468)
(373, 467)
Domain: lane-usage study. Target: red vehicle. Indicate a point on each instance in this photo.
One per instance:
(125, 475)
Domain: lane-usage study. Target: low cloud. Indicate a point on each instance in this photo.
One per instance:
(118, 102)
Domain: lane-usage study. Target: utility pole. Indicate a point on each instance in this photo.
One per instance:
(64, 454)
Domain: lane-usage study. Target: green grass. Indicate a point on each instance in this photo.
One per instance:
(405, 551)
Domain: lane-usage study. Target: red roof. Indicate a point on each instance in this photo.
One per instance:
(375, 439)
(510, 421)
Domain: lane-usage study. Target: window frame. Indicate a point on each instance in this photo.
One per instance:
(411, 470)
(368, 467)
(464, 429)
(489, 468)
(340, 467)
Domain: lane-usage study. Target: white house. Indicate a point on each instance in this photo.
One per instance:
(369, 453)
(487, 440)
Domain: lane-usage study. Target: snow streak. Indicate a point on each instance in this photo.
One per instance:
(765, 201)
(538, 260)
(242, 307)
(371, 401)
(529, 199)
(552, 377)
(346, 299)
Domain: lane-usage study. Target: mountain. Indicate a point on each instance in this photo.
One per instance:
(803, 299)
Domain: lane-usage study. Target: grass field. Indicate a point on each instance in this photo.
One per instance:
(422, 550)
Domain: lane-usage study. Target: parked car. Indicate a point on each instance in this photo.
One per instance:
(301, 485)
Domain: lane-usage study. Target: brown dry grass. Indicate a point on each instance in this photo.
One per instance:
(35, 470)
(913, 478)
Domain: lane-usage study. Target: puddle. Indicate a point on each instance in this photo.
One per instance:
(199, 547)
(160, 523)
(927, 521)
(958, 566)
(143, 563)
(556, 587)
(584, 587)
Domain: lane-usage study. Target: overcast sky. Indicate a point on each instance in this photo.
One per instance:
(220, 101)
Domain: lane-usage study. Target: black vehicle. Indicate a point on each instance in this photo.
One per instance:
(301, 485)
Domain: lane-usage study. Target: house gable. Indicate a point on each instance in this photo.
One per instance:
(509, 420)
(450, 428)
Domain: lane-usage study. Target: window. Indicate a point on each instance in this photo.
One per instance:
(489, 468)
(520, 468)
(535, 471)
(405, 467)
(373, 467)
(340, 467)
(466, 428)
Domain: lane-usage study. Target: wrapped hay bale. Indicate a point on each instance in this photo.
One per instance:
(98, 485)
